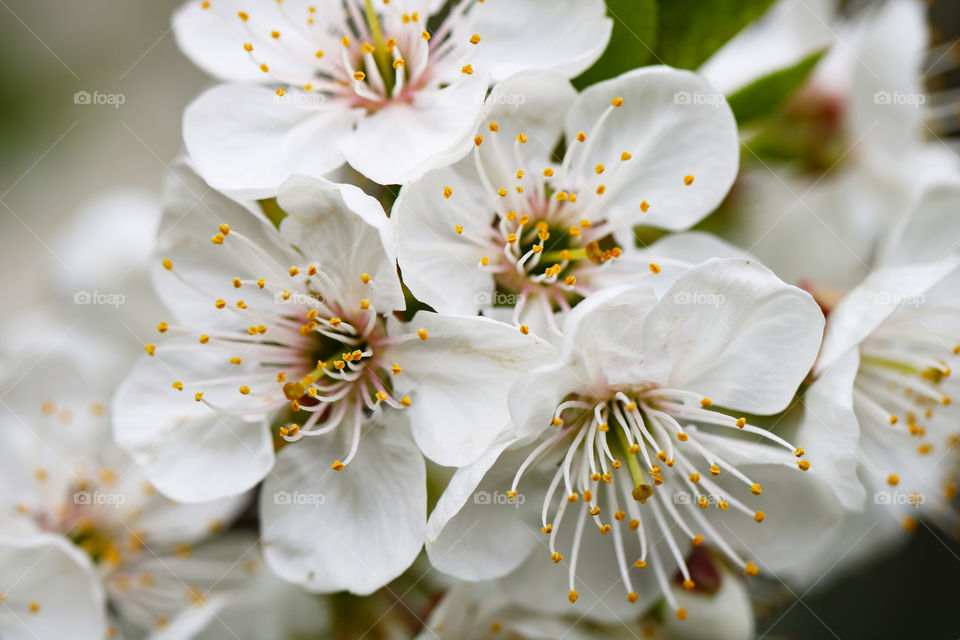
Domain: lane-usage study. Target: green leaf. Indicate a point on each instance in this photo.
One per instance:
(691, 30)
(632, 42)
(764, 96)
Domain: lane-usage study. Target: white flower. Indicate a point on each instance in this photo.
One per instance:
(856, 138)
(362, 81)
(624, 431)
(281, 338)
(512, 227)
(106, 545)
(45, 583)
(890, 346)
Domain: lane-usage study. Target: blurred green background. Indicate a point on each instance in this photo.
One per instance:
(56, 155)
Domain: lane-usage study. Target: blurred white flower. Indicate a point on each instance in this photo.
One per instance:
(308, 356)
(852, 148)
(363, 81)
(512, 227)
(64, 477)
(626, 429)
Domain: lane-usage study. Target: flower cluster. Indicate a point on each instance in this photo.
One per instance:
(436, 314)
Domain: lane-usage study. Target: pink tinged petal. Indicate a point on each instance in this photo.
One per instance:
(681, 137)
(357, 528)
(405, 140)
(242, 139)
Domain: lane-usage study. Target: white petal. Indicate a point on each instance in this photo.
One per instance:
(929, 230)
(245, 140)
(726, 614)
(533, 103)
(732, 331)
(442, 267)
(191, 216)
(674, 124)
(58, 578)
(346, 234)
(566, 36)
(829, 431)
(475, 532)
(358, 528)
(459, 379)
(213, 39)
(867, 306)
(403, 141)
(189, 452)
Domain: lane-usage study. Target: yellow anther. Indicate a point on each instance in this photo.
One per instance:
(337, 465)
(605, 529)
(741, 422)
(217, 238)
(524, 329)
(639, 564)
(264, 67)
(697, 540)
(364, 304)
(548, 173)
(424, 35)
(714, 470)
(634, 524)
(243, 15)
(561, 196)
(422, 334)
(396, 369)
(167, 264)
(682, 437)
(398, 63)
(632, 596)
(625, 156)
(688, 584)
(681, 614)
(581, 137)
(909, 524)
(245, 390)
(655, 268)
(522, 138)
(556, 557)
(447, 192)
(367, 48)
(644, 206)
(688, 180)
(557, 422)
(359, 76)
(365, 278)
(751, 569)
(345, 41)
(335, 322)
(893, 479)
(478, 140)
(573, 497)
(755, 489)
(177, 385)
(150, 349)
(466, 69)
(570, 281)
(587, 496)
(475, 39)
(804, 465)
(198, 396)
(573, 595)
(261, 283)
(485, 261)
(798, 452)
(759, 516)
(405, 401)
(547, 528)
(512, 238)
(694, 477)
(204, 339)
(381, 396)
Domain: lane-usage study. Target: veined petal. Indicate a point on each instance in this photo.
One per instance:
(458, 379)
(354, 529)
(681, 138)
(346, 234)
(244, 140)
(736, 333)
(565, 36)
(48, 585)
